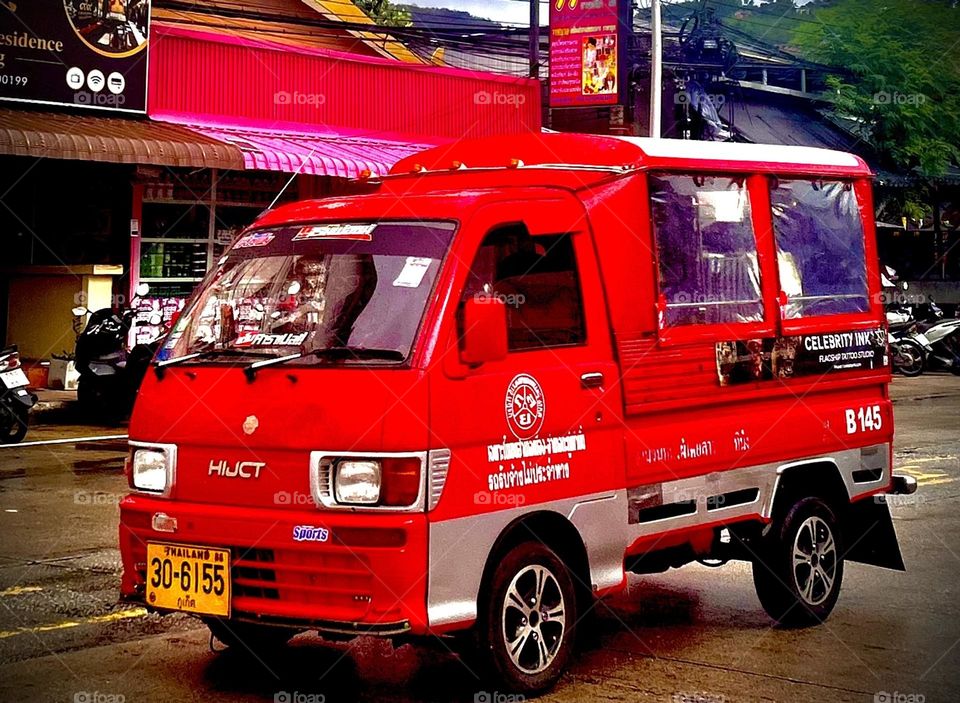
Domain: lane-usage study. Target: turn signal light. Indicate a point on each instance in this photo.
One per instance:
(401, 481)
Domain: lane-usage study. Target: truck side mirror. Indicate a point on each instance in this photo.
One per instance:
(484, 331)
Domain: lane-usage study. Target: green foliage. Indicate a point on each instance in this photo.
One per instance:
(898, 75)
(384, 12)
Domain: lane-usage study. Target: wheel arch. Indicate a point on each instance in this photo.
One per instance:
(820, 478)
(551, 529)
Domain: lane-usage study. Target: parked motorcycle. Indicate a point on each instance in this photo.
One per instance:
(923, 330)
(15, 399)
(941, 344)
(111, 371)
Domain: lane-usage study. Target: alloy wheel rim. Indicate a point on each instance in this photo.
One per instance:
(533, 619)
(814, 561)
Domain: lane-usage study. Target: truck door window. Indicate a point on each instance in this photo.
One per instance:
(820, 252)
(536, 278)
(706, 250)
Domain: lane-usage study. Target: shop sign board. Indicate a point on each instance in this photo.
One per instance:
(77, 53)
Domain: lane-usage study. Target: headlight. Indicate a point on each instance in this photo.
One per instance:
(357, 481)
(362, 481)
(150, 470)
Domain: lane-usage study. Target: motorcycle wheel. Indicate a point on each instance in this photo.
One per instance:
(908, 358)
(13, 426)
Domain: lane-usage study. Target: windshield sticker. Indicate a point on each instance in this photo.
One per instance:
(361, 233)
(259, 339)
(255, 239)
(413, 272)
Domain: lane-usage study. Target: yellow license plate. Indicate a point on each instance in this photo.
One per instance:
(189, 578)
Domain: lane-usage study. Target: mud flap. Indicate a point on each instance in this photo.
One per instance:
(869, 535)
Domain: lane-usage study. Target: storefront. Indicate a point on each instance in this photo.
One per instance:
(233, 125)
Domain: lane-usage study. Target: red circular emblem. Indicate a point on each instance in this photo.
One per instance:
(524, 406)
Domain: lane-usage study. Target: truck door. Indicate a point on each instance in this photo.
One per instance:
(545, 423)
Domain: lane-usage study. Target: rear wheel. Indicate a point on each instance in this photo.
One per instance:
(799, 569)
(13, 425)
(528, 624)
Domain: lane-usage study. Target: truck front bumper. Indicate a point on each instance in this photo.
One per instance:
(369, 576)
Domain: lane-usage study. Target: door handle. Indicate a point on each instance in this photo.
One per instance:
(591, 380)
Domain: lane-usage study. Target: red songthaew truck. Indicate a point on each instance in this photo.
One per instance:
(477, 393)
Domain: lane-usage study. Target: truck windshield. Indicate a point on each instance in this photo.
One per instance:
(307, 288)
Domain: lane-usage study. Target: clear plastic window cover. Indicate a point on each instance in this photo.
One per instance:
(281, 292)
(820, 248)
(707, 252)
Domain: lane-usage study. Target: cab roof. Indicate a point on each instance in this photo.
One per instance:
(631, 153)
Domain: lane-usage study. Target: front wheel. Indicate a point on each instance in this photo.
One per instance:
(527, 629)
(908, 357)
(799, 569)
(247, 637)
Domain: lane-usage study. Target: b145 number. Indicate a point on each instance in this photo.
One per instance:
(865, 419)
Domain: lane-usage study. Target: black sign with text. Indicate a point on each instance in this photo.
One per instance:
(84, 53)
(743, 361)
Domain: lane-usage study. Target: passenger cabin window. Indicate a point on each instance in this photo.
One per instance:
(820, 251)
(706, 249)
(536, 278)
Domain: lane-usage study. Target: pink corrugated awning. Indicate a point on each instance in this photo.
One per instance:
(317, 153)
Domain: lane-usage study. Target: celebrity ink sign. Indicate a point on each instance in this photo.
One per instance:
(86, 53)
(586, 51)
(749, 360)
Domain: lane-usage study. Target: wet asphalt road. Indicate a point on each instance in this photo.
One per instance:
(693, 634)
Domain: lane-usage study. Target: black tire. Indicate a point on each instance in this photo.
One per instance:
(801, 592)
(909, 358)
(542, 628)
(13, 425)
(249, 638)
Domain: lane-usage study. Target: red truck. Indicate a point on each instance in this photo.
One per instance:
(475, 394)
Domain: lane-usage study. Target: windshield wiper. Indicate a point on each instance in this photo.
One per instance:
(359, 353)
(160, 366)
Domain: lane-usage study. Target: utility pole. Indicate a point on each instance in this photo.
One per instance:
(656, 68)
(535, 39)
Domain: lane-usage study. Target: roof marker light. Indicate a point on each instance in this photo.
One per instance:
(457, 165)
(515, 163)
(417, 168)
(366, 174)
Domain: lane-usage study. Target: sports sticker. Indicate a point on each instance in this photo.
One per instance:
(254, 239)
(524, 406)
(358, 232)
(413, 272)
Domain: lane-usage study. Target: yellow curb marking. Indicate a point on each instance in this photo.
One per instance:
(109, 617)
(929, 477)
(18, 590)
